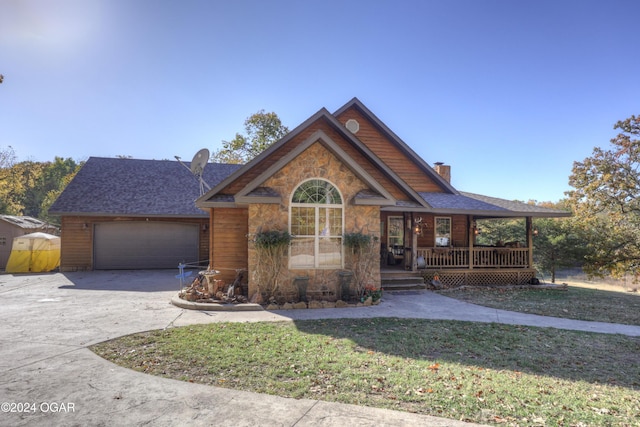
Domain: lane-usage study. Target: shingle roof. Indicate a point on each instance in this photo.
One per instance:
(478, 204)
(114, 186)
(457, 201)
(25, 222)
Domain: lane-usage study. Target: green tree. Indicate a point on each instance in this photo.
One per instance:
(261, 130)
(29, 188)
(494, 231)
(606, 200)
(56, 176)
(7, 160)
(7, 157)
(559, 243)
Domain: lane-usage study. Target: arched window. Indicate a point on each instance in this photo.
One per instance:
(316, 217)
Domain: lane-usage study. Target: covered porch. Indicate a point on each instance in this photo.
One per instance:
(447, 246)
(474, 257)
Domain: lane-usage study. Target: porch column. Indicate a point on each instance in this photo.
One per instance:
(414, 247)
(472, 240)
(529, 221)
(211, 221)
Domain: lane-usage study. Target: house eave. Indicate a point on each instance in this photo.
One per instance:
(258, 199)
(202, 201)
(481, 213)
(321, 137)
(333, 121)
(213, 205)
(500, 214)
(128, 215)
(373, 202)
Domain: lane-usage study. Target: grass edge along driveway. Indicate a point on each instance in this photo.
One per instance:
(488, 373)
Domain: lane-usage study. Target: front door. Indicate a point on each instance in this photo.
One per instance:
(395, 237)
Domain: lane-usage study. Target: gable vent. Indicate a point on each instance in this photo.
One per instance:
(352, 125)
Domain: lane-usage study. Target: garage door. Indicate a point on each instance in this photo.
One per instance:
(144, 245)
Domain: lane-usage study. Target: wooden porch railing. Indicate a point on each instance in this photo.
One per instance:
(482, 257)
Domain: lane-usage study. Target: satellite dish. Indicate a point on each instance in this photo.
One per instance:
(197, 167)
(199, 162)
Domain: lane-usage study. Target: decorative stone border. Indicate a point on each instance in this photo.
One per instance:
(213, 306)
(321, 304)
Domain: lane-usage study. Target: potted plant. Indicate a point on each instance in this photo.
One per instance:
(435, 281)
(371, 292)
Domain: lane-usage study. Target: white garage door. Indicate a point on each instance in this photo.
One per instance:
(144, 245)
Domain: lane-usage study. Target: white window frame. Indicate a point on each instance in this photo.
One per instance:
(395, 237)
(438, 236)
(318, 235)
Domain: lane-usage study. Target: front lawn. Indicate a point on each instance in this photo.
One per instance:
(487, 373)
(573, 303)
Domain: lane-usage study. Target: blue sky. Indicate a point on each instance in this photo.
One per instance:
(509, 93)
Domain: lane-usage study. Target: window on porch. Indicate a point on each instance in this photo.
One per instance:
(442, 231)
(316, 217)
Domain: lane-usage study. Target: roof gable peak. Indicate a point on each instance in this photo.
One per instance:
(395, 139)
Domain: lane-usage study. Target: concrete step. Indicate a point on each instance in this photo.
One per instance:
(401, 281)
(390, 287)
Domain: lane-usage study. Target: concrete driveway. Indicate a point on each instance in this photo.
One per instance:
(49, 377)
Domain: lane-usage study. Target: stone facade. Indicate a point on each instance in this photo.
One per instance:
(315, 162)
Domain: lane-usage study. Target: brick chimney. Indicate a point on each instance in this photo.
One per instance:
(443, 170)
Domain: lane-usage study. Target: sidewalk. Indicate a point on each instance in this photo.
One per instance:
(49, 320)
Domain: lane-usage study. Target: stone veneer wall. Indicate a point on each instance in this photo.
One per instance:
(315, 162)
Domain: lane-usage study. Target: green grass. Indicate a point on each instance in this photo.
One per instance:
(488, 373)
(572, 303)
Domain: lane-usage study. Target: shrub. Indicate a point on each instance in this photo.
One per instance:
(271, 250)
(362, 257)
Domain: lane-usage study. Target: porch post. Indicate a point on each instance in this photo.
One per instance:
(530, 239)
(414, 247)
(211, 222)
(472, 238)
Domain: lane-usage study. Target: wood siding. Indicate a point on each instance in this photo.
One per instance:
(76, 251)
(459, 226)
(337, 137)
(229, 241)
(400, 162)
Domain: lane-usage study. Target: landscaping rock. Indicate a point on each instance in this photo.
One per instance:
(341, 304)
(368, 302)
(300, 305)
(328, 304)
(287, 306)
(315, 304)
(273, 307)
(256, 298)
